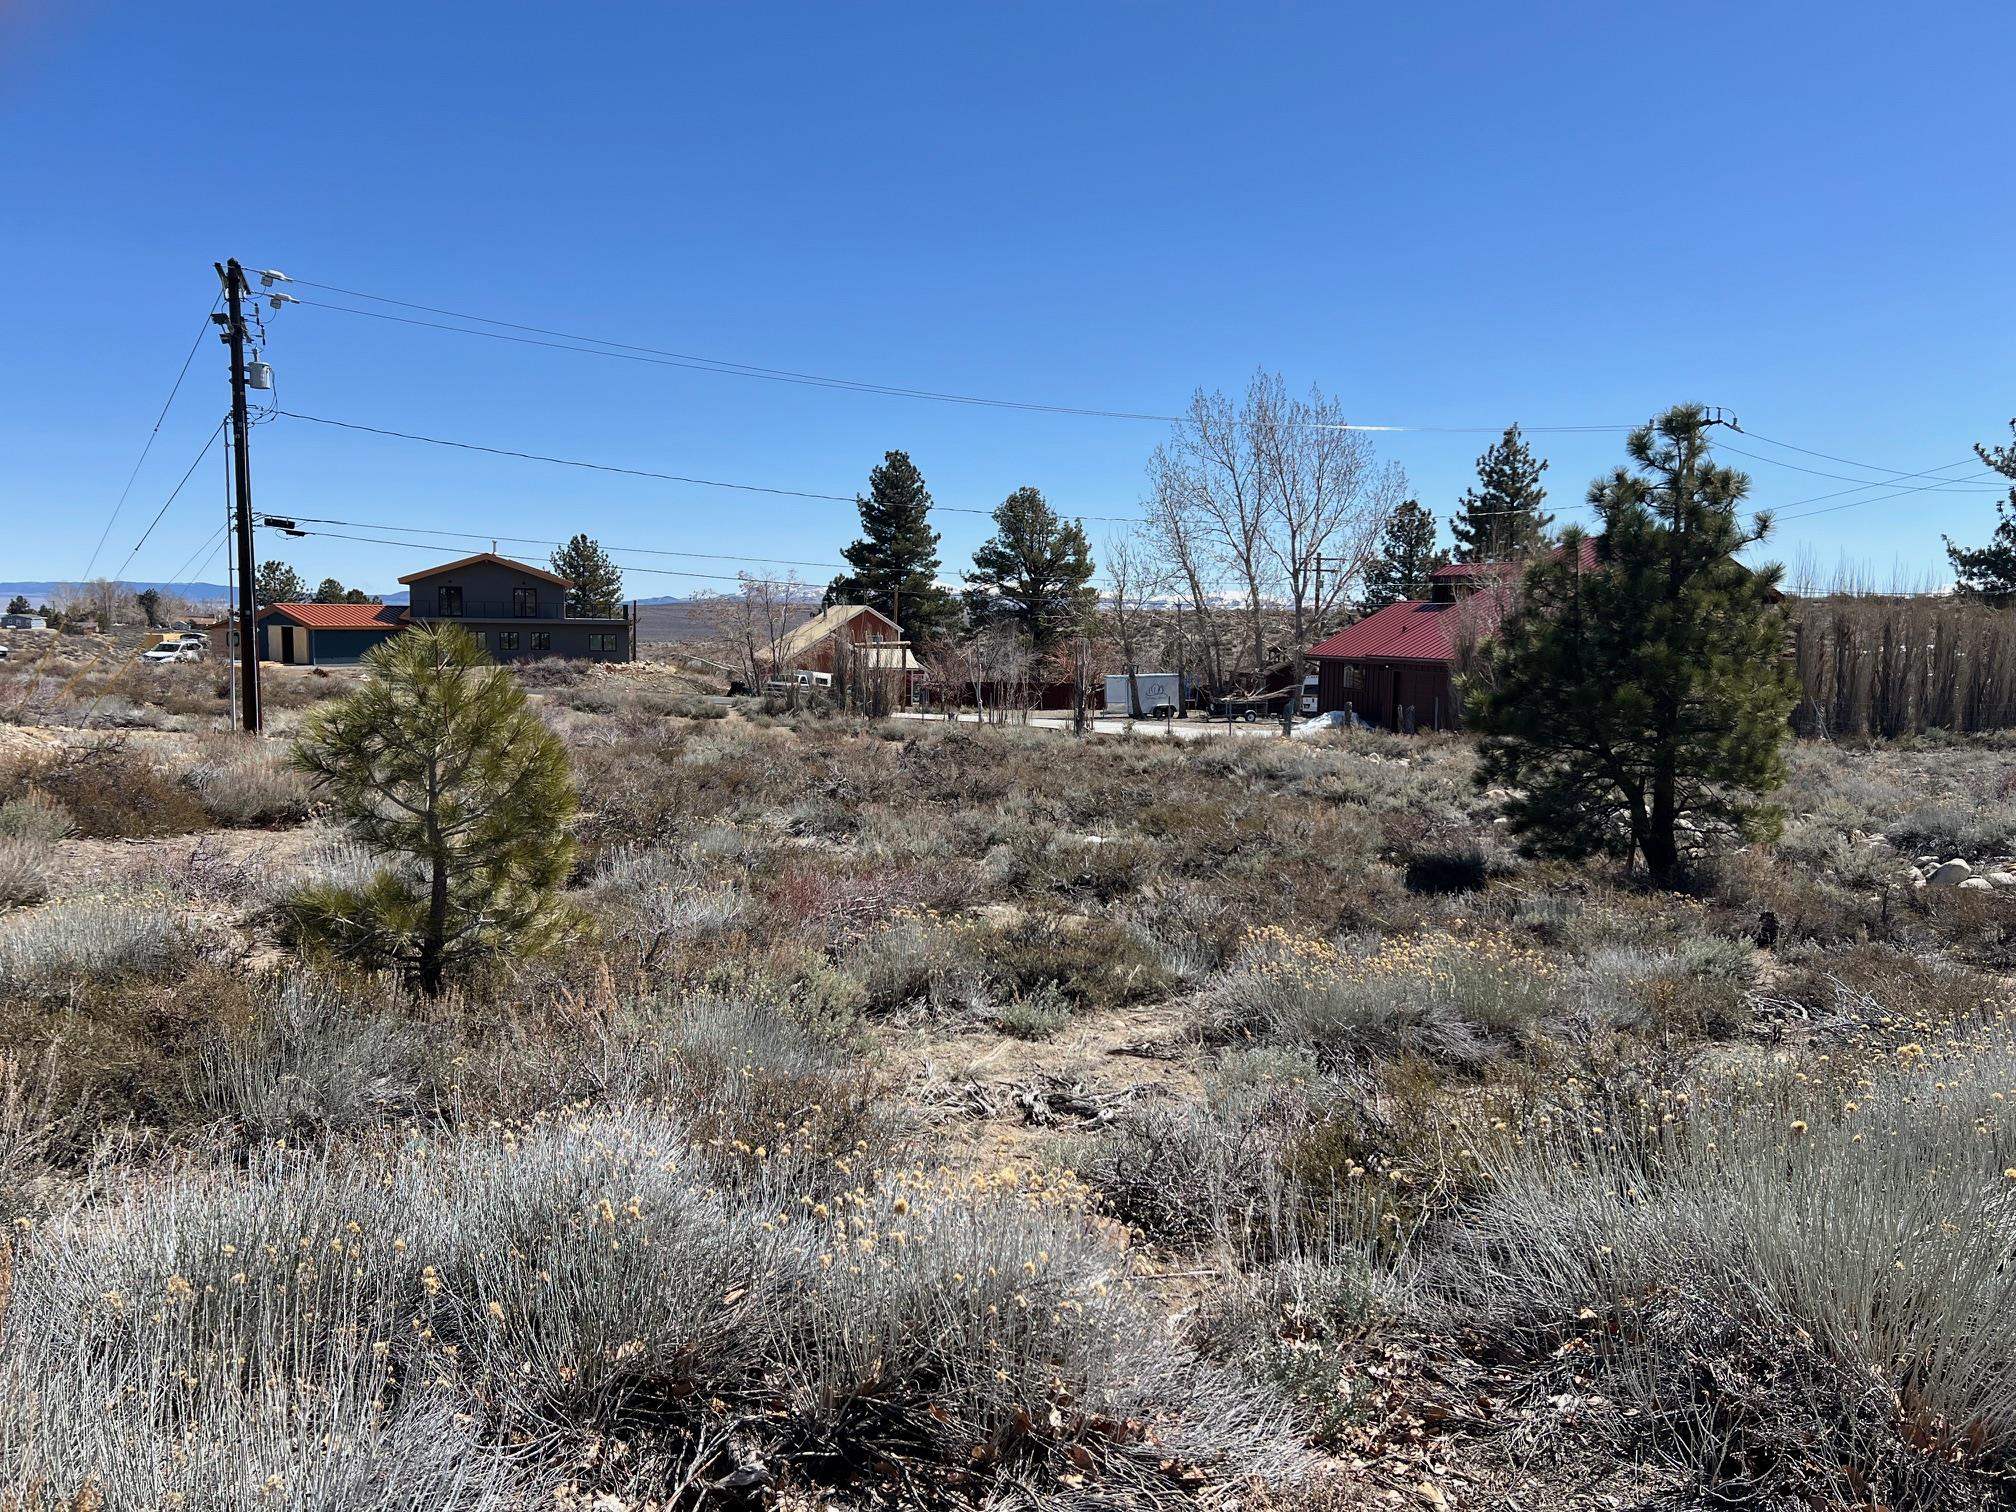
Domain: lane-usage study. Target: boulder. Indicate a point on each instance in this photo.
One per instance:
(2001, 879)
(1975, 884)
(1950, 874)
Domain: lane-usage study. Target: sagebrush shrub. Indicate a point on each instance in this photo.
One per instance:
(79, 940)
(1744, 1267)
(585, 1277)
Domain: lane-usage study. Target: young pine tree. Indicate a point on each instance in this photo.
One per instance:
(595, 582)
(1407, 554)
(438, 764)
(1035, 572)
(1500, 518)
(329, 591)
(1646, 699)
(1988, 573)
(894, 566)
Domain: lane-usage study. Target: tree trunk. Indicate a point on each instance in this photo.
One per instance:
(434, 944)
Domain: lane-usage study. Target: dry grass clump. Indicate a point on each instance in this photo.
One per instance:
(1460, 998)
(538, 1290)
(1802, 1293)
(109, 791)
(244, 781)
(24, 870)
(35, 816)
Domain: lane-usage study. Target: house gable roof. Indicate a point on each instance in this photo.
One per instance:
(826, 622)
(494, 559)
(1413, 630)
(338, 616)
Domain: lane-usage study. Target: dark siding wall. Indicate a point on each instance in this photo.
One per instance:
(484, 584)
(345, 648)
(1385, 690)
(569, 638)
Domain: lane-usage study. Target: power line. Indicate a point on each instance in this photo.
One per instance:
(1952, 485)
(598, 346)
(131, 477)
(175, 492)
(488, 535)
(640, 472)
(1851, 462)
(724, 577)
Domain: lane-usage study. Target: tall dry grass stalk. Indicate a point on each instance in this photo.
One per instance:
(1891, 664)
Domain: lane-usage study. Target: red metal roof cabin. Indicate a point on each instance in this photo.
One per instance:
(1395, 667)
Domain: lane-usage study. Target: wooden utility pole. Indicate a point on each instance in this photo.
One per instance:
(233, 321)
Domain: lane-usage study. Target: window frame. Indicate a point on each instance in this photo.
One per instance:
(542, 640)
(525, 602)
(507, 642)
(448, 601)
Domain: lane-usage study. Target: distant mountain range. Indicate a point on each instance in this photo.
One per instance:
(50, 591)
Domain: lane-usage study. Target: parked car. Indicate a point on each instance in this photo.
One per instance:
(1251, 707)
(172, 652)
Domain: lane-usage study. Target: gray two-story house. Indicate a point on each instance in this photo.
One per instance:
(515, 611)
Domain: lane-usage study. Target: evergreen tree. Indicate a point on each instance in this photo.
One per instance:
(277, 583)
(438, 763)
(895, 563)
(1988, 573)
(597, 582)
(149, 600)
(359, 596)
(1035, 571)
(18, 604)
(1500, 518)
(329, 591)
(1407, 554)
(1648, 698)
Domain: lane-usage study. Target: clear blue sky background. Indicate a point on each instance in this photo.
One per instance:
(1449, 216)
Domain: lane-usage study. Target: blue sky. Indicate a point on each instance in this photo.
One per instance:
(1450, 216)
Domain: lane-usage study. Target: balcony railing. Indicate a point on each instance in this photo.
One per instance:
(489, 609)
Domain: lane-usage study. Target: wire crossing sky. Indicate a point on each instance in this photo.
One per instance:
(758, 247)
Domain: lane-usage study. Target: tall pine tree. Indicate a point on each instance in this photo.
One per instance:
(1645, 701)
(1407, 554)
(1036, 571)
(1500, 518)
(1988, 572)
(895, 563)
(595, 581)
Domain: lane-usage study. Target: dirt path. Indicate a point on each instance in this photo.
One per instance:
(994, 1098)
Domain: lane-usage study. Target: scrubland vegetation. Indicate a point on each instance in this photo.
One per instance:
(940, 1115)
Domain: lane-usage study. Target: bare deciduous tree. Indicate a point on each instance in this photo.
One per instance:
(1136, 577)
(1278, 500)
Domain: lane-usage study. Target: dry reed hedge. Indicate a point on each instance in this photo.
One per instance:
(1877, 665)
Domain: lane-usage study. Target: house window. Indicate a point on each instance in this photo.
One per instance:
(525, 603)
(601, 642)
(482, 640)
(1352, 678)
(507, 642)
(448, 602)
(542, 640)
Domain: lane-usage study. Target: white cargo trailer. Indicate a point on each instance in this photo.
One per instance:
(1160, 694)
